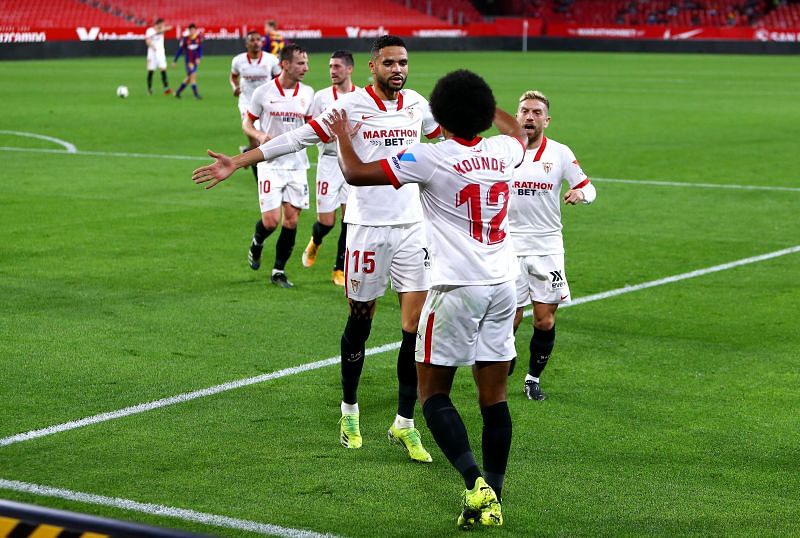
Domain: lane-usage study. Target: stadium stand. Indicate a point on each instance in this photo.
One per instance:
(784, 16)
(376, 13)
(57, 13)
(451, 11)
(286, 12)
(640, 12)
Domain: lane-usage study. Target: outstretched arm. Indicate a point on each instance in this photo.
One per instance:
(354, 170)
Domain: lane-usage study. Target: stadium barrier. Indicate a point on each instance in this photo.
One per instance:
(25, 520)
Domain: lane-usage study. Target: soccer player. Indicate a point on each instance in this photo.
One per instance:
(249, 70)
(273, 39)
(385, 234)
(156, 56)
(191, 47)
(468, 317)
(535, 222)
(332, 189)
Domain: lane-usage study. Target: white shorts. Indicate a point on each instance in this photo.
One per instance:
(542, 279)
(243, 116)
(376, 253)
(460, 325)
(276, 186)
(332, 189)
(156, 59)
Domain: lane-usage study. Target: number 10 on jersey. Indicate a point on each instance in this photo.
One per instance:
(497, 195)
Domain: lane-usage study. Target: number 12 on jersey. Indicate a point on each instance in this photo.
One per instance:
(497, 195)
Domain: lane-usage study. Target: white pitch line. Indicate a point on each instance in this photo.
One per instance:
(180, 398)
(68, 148)
(676, 278)
(185, 397)
(697, 185)
(161, 510)
(71, 150)
(600, 179)
(107, 153)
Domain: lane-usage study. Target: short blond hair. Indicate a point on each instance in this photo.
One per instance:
(535, 95)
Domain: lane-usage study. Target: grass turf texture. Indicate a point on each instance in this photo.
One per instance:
(671, 410)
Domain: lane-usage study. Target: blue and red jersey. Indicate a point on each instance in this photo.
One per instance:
(191, 47)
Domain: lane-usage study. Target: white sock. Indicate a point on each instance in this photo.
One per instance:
(275, 272)
(349, 409)
(529, 377)
(403, 422)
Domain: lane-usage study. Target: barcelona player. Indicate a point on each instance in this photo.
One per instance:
(191, 48)
(273, 39)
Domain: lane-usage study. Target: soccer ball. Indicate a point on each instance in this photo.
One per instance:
(122, 91)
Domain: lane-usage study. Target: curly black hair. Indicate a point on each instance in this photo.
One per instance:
(463, 103)
(385, 41)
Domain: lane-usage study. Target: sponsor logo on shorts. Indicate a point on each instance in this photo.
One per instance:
(564, 296)
(558, 281)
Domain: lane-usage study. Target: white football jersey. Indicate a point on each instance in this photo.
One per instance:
(253, 73)
(156, 38)
(322, 100)
(386, 128)
(535, 210)
(279, 112)
(464, 189)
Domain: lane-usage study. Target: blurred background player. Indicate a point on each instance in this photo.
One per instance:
(249, 70)
(468, 317)
(273, 39)
(535, 223)
(385, 234)
(191, 47)
(156, 56)
(281, 106)
(332, 189)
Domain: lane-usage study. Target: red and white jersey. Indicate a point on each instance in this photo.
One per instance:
(386, 128)
(279, 112)
(156, 38)
(323, 99)
(464, 190)
(253, 73)
(535, 210)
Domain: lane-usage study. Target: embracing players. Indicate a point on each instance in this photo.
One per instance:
(385, 235)
(469, 312)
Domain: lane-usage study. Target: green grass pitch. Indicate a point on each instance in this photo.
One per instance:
(672, 410)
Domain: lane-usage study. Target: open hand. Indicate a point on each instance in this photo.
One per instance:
(220, 170)
(338, 124)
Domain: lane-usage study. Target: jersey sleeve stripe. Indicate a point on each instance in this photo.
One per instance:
(387, 168)
(307, 118)
(435, 133)
(323, 136)
(251, 116)
(582, 184)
